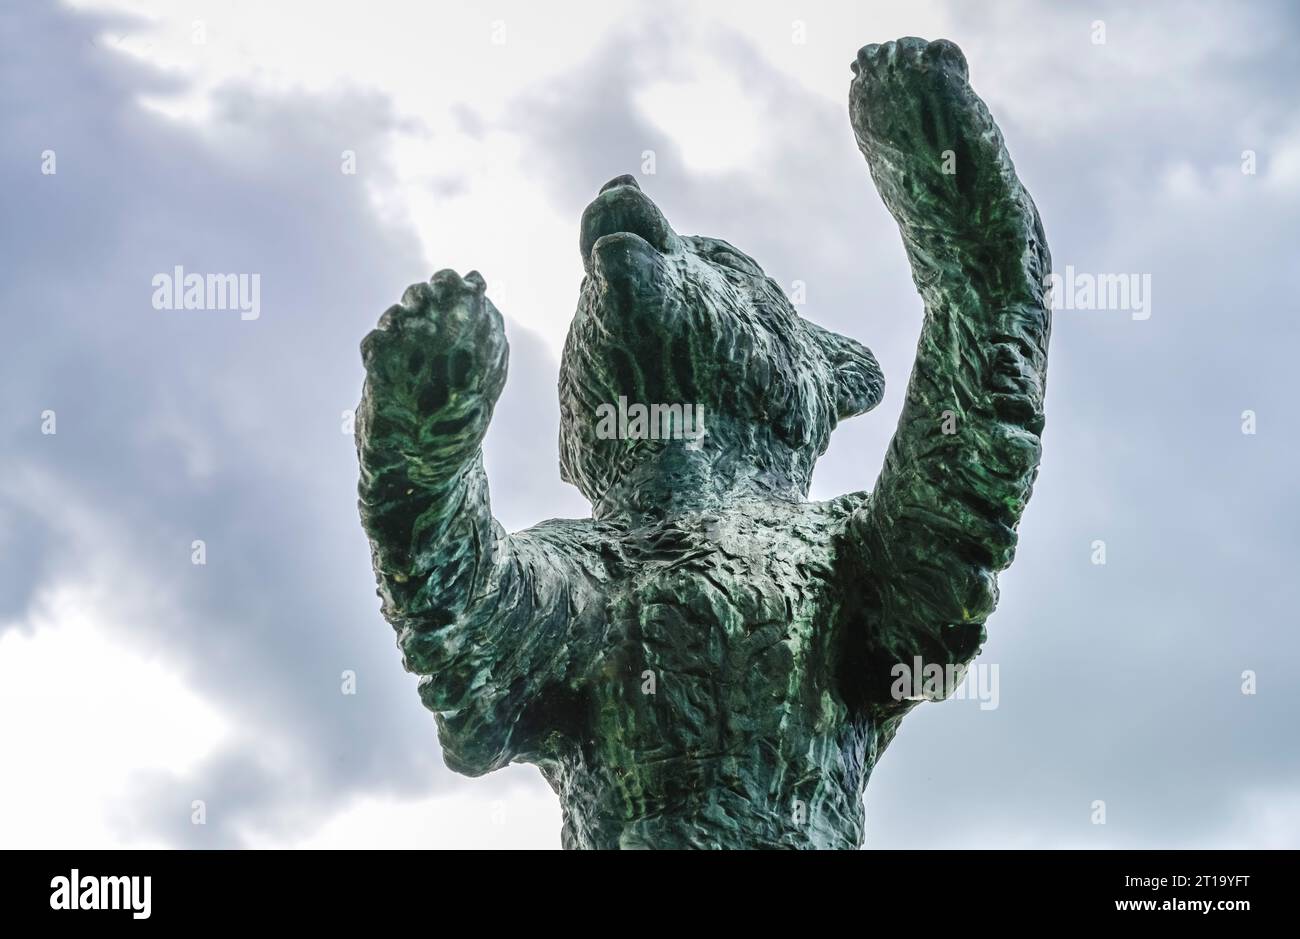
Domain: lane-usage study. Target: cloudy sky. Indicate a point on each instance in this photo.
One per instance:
(1159, 139)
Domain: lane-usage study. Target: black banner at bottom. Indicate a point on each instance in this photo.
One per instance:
(309, 889)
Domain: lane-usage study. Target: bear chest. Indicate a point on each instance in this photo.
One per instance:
(719, 634)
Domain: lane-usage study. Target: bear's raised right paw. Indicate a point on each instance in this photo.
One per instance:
(442, 349)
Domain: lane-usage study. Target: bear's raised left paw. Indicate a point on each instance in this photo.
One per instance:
(933, 148)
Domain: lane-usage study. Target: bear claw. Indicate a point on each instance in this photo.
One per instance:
(941, 52)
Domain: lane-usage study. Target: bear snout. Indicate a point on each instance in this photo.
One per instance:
(621, 207)
(625, 180)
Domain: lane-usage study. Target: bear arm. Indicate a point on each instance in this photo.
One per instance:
(484, 617)
(942, 518)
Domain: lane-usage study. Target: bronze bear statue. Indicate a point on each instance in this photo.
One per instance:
(708, 661)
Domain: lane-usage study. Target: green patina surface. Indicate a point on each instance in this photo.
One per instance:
(707, 660)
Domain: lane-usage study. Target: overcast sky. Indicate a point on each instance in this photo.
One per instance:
(1161, 141)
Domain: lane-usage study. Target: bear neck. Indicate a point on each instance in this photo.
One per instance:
(672, 478)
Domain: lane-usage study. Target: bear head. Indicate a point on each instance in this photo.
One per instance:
(667, 319)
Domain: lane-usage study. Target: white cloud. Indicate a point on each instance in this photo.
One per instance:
(84, 715)
(1268, 818)
(522, 814)
(472, 195)
(710, 117)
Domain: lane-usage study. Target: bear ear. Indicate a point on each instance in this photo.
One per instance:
(859, 382)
